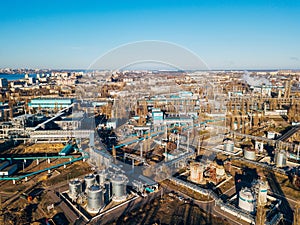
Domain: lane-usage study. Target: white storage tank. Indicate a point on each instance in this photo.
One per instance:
(281, 158)
(249, 153)
(89, 180)
(103, 175)
(220, 171)
(259, 146)
(75, 188)
(271, 135)
(247, 200)
(119, 182)
(229, 146)
(95, 199)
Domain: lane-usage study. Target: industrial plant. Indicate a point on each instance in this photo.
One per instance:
(93, 144)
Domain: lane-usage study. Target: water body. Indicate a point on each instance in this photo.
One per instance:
(16, 76)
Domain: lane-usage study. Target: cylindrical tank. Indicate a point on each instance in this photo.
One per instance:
(75, 188)
(271, 135)
(196, 172)
(259, 146)
(119, 182)
(281, 159)
(95, 198)
(228, 146)
(247, 200)
(249, 153)
(220, 171)
(102, 177)
(89, 180)
(262, 191)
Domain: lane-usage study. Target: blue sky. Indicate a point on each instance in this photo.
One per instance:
(225, 34)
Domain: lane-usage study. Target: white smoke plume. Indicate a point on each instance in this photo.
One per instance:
(255, 80)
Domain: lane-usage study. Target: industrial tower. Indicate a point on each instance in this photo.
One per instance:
(261, 203)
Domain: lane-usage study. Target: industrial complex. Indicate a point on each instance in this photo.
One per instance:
(126, 147)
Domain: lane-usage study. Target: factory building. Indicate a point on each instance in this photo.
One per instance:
(50, 103)
(72, 122)
(280, 158)
(179, 120)
(264, 90)
(157, 116)
(100, 158)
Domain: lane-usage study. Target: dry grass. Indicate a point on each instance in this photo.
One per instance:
(168, 211)
(44, 148)
(185, 190)
(72, 171)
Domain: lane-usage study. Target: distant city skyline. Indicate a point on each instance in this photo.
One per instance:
(224, 34)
